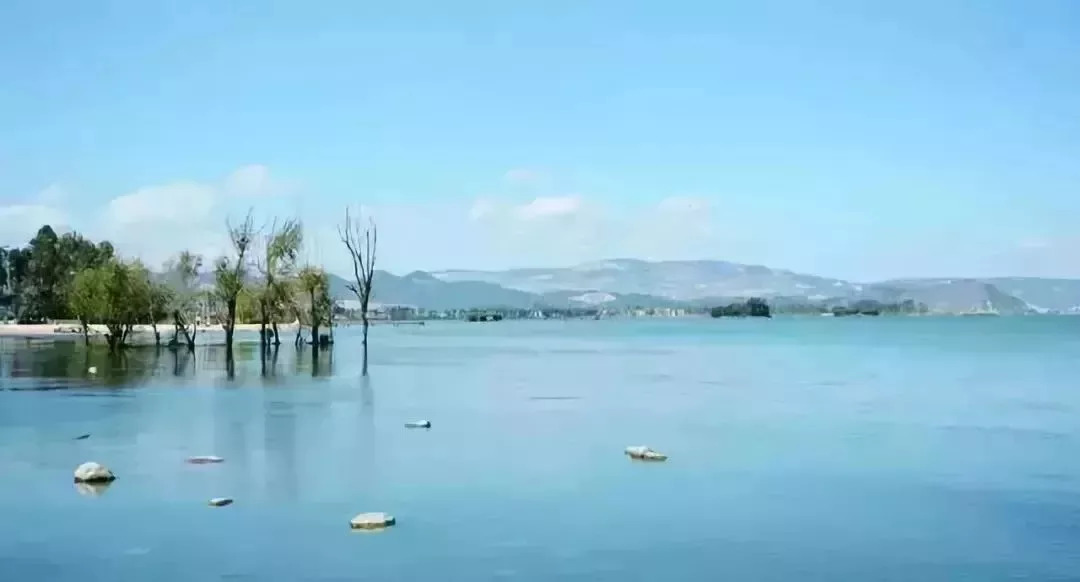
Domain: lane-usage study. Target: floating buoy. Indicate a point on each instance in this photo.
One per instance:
(92, 370)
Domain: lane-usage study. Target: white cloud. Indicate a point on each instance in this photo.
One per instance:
(53, 195)
(549, 207)
(252, 180)
(20, 222)
(532, 226)
(180, 203)
(481, 209)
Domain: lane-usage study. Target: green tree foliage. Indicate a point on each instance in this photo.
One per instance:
(15, 267)
(281, 247)
(230, 276)
(118, 295)
(51, 265)
(182, 279)
(314, 284)
(753, 307)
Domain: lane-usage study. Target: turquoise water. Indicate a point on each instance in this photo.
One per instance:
(907, 449)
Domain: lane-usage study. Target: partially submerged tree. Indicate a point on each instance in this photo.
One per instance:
(361, 242)
(159, 298)
(87, 298)
(230, 276)
(117, 294)
(281, 246)
(315, 285)
(182, 276)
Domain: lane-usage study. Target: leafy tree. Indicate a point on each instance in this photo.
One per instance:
(87, 298)
(53, 262)
(117, 294)
(315, 285)
(753, 307)
(230, 276)
(182, 277)
(3, 269)
(281, 246)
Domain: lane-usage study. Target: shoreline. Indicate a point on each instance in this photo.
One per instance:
(69, 330)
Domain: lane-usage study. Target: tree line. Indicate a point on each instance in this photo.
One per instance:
(69, 277)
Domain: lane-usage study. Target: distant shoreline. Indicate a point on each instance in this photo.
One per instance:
(67, 330)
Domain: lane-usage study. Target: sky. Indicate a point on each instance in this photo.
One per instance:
(861, 140)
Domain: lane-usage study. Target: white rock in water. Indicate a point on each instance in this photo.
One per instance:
(92, 369)
(645, 454)
(220, 501)
(205, 459)
(93, 473)
(418, 424)
(372, 521)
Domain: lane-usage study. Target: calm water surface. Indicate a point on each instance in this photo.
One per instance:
(907, 449)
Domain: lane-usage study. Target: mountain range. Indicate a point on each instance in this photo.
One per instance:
(621, 283)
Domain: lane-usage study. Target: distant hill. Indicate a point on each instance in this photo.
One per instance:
(677, 280)
(712, 282)
(1061, 295)
(423, 290)
(950, 295)
(624, 283)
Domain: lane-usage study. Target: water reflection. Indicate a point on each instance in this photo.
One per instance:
(68, 364)
(92, 489)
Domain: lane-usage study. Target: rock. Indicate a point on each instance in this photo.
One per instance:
(220, 501)
(92, 370)
(644, 453)
(372, 521)
(93, 473)
(418, 424)
(82, 437)
(205, 460)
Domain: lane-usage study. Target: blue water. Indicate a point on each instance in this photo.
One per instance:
(907, 449)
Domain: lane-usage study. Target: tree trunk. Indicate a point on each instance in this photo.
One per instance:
(230, 324)
(157, 335)
(264, 340)
(277, 338)
(314, 323)
(364, 319)
(181, 325)
(85, 332)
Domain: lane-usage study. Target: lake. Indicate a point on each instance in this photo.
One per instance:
(906, 449)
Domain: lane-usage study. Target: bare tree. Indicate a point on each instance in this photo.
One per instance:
(361, 241)
(230, 275)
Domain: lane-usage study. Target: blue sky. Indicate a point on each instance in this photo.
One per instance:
(853, 139)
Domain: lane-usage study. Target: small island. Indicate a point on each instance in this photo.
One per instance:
(753, 307)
